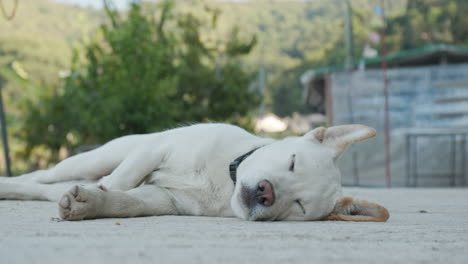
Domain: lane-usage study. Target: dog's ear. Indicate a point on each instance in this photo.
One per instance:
(339, 137)
(351, 209)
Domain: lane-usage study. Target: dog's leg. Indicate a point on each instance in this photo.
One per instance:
(14, 190)
(134, 169)
(87, 203)
(90, 165)
(85, 166)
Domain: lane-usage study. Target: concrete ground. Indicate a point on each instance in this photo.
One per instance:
(425, 226)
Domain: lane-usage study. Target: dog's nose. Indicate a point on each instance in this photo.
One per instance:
(265, 194)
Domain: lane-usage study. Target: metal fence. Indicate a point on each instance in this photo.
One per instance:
(428, 112)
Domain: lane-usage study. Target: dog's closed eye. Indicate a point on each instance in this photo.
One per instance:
(300, 205)
(293, 161)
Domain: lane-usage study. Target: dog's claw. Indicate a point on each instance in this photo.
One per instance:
(100, 186)
(74, 190)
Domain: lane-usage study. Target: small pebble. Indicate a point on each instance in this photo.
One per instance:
(117, 223)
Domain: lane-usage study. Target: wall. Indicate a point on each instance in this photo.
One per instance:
(422, 98)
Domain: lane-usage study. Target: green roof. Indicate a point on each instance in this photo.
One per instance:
(425, 55)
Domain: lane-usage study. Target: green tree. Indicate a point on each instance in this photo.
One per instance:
(410, 24)
(433, 22)
(143, 73)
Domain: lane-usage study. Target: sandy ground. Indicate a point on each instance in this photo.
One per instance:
(426, 226)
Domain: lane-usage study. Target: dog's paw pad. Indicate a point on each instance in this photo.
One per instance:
(79, 193)
(65, 202)
(79, 203)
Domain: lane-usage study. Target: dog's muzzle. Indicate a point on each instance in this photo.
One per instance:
(263, 195)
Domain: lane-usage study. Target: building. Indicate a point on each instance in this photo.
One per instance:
(428, 112)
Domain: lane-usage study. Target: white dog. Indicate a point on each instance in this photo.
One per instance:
(206, 169)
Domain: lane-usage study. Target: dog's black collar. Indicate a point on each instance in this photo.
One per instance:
(235, 164)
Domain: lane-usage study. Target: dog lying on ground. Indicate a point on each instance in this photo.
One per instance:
(205, 169)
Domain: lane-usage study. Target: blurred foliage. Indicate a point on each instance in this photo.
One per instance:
(143, 73)
(410, 24)
(64, 99)
(39, 38)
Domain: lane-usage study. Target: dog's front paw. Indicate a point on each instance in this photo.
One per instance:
(80, 203)
(111, 182)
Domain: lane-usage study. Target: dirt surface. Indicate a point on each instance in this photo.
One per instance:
(425, 226)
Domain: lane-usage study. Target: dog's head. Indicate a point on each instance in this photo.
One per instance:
(297, 179)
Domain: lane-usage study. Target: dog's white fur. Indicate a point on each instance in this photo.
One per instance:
(185, 171)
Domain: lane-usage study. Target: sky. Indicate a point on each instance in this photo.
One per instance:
(120, 4)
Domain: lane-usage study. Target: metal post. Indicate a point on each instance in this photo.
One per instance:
(348, 37)
(6, 149)
(415, 155)
(349, 67)
(261, 85)
(463, 151)
(408, 160)
(453, 156)
(387, 121)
